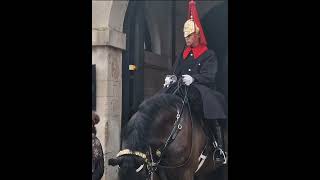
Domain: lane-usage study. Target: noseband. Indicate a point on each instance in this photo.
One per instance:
(148, 159)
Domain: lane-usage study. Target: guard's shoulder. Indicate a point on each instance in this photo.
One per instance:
(210, 52)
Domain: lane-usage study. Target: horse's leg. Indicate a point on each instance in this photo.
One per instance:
(177, 175)
(187, 175)
(162, 175)
(156, 177)
(218, 174)
(201, 177)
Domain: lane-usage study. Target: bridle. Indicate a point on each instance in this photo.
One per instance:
(148, 158)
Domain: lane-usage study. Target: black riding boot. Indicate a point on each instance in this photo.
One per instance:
(218, 133)
(219, 154)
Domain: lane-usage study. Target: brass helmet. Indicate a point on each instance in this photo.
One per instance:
(190, 27)
(193, 23)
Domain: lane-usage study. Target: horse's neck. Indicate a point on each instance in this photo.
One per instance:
(161, 128)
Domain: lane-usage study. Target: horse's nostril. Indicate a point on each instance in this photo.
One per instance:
(113, 162)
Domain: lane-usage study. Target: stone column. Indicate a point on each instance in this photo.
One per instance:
(108, 42)
(107, 55)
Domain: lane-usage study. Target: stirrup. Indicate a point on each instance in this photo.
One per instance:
(224, 156)
(215, 145)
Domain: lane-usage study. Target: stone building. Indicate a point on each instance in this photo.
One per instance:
(148, 35)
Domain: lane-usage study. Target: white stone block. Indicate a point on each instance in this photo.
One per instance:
(101, 88)
(117, 90)
(100, 58)
(110, 92)
(100, 13)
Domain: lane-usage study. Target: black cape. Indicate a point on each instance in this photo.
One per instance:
(203, 70)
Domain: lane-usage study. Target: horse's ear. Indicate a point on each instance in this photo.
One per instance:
(114, 162)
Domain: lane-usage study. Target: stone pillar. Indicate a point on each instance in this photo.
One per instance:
(107, 46)
(108, 42)
(107, 55)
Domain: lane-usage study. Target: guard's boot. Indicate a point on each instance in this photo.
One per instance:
(219, 154)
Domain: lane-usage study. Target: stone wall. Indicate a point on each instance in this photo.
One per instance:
(108, 42)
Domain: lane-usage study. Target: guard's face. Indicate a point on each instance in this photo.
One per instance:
(192, 40)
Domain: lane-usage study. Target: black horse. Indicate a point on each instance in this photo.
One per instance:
(163, 140)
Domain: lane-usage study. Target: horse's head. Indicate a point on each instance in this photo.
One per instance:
(147, 128)
(132, 158)
(130, 166)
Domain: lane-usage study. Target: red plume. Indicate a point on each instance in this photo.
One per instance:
(194, 13)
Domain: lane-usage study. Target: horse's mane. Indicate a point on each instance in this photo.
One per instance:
(136, 131)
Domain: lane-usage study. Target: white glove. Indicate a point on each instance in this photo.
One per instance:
(169, 79)
(187, 79)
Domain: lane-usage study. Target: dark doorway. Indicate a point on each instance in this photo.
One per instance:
(132, 80)
(143, 50)
(215, 25)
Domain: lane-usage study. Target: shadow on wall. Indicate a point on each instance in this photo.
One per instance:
(215, 25)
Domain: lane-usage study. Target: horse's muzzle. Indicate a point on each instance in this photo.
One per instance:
(113, 162)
